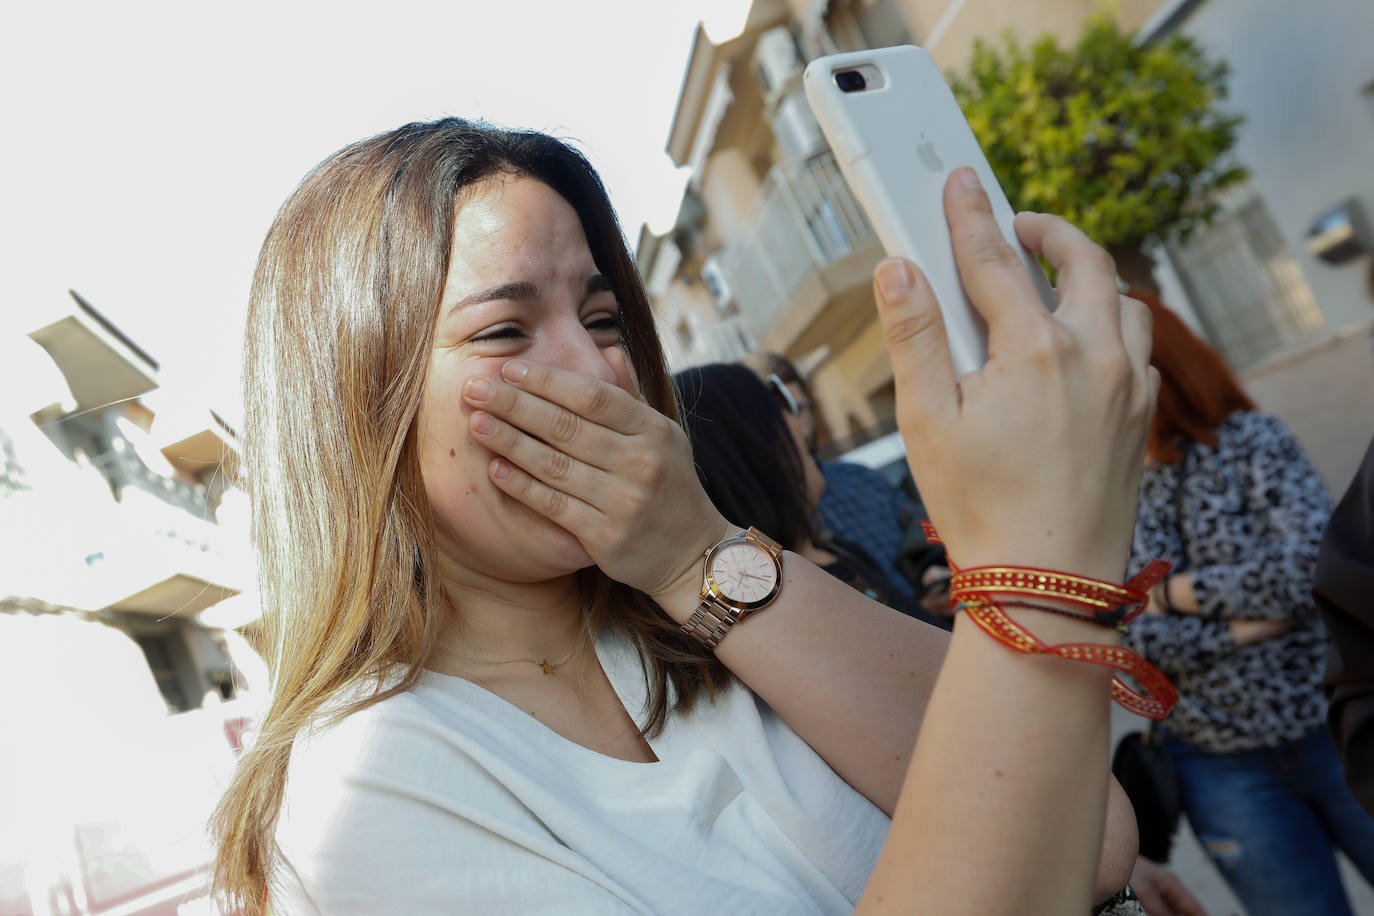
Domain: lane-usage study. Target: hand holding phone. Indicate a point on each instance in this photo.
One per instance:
(897, 133)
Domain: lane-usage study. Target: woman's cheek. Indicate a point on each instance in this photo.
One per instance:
(452, 463)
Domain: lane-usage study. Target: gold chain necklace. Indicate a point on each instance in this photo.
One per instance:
(547, 666)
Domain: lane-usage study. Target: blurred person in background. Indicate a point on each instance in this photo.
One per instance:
(860, 507)
(1344, 592)
(750, 447)
(1230, 499)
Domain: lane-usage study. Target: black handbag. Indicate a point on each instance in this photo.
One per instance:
(1146, 773)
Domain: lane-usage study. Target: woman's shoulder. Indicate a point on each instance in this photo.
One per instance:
(413, 737)
(1245, 427)
(413, 801)
(426, 753)
(1262, 442)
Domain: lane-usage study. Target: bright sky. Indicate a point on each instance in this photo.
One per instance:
(150, 143)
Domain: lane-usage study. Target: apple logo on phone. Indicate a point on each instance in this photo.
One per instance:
(929, 158)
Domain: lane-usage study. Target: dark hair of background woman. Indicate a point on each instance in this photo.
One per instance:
(1197, 389)
(745, 455)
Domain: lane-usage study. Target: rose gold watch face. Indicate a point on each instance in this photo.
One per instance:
(744, 572)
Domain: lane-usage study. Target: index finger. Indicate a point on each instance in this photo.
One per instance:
(591, 398)
(1085, 271)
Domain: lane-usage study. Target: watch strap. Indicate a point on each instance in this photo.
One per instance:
(712, 620)
(709, 623)
(764, 540)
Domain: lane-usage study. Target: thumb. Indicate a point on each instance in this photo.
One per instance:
(915, 333)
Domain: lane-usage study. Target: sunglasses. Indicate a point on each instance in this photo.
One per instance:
(788, 399)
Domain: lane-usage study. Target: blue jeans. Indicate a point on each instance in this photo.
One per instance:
(1270, 820)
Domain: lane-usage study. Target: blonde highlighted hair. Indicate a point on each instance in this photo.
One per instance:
(340, 322)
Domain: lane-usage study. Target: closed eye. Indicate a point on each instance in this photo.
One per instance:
(601, 324)
(608, 323)
(509, 332)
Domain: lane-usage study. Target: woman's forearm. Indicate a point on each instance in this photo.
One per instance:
(1017, 826)
(847, 674)
(853, 679)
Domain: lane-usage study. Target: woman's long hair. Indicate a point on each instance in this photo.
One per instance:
(745, 456)
(340, 325)
(1197, 389)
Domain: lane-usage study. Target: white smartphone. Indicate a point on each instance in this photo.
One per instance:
(898, 133)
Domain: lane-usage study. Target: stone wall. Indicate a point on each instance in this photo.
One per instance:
(1325, 394)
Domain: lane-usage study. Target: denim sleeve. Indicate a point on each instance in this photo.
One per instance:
(1289, 507)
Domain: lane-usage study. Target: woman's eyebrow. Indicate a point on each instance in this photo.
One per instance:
(519, 291)
(523, 291)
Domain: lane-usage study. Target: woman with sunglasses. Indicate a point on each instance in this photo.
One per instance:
(860, 507)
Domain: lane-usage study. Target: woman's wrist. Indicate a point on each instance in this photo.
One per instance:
(681, 596)
(1160, 594)
(1055, 628)
(1045, 552)
(1073, 606)
(1177, 595)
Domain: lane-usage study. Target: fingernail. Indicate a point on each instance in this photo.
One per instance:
(894, 278)
(479, 388)
(514, 370)
(968, 178)
(483, 424)
(500, 469)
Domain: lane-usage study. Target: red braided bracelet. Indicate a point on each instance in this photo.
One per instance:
(1111, 605)
(1051, 609)
(1155, 705)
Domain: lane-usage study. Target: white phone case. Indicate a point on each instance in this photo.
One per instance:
(897, 140)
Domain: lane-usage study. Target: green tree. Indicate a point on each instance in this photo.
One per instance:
(1120, 137)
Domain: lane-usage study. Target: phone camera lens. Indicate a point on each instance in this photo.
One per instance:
(850, 81)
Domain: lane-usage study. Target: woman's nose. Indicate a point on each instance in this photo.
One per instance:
(571, 346)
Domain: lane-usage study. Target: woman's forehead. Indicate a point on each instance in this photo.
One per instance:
(516, 224)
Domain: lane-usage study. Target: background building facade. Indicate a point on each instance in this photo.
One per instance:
(125, 691)
(770, 250)
(115, 509)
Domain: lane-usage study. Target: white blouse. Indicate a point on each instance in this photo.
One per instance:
(448, 799)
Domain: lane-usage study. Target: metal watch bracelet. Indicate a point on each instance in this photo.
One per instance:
(714, 617)
(709, 623)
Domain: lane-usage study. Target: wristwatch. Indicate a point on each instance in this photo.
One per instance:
(743, 575)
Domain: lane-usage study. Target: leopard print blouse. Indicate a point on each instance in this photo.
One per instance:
(1123, 903)
(1245, 518)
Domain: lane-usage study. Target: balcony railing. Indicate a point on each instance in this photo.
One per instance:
(804, 220)
(79, 549)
